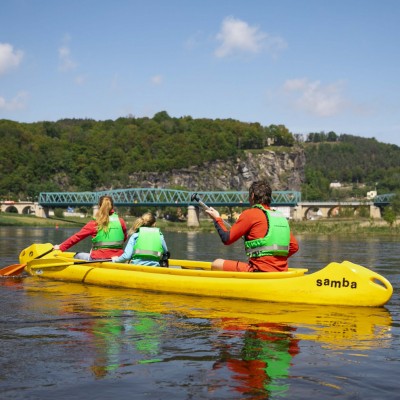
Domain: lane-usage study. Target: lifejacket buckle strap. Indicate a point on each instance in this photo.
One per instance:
(257, 250)
(148, 252)
(269, 248)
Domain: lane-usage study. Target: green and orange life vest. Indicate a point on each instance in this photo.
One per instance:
(277, 239)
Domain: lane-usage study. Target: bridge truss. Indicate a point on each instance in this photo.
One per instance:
(161, 198)
(383, 199)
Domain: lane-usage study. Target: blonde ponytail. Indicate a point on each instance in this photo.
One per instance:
(147, 219)
(103, 215)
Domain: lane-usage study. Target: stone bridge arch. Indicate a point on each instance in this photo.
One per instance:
(22, 207)
(11, 209)
(315, 210)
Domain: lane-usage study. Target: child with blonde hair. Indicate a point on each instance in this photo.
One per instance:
(146, 246)
(108, 233)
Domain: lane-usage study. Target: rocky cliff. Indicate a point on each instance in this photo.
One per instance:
(285, 171)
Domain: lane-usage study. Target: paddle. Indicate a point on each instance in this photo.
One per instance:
(184, 264)
(17, 269)
(62, 262)
(56, 264)
(12, 270)
(196, 197)
(78, 261)
(204, 206)
(190, 264)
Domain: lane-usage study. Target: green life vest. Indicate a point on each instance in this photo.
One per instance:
(148, 245)
(112, 239)
(275, 242)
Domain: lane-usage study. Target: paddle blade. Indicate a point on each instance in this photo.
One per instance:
(34, 251)
(12, 270)
(194, 196)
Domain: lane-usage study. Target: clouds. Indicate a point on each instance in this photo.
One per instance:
(16, 103)
(157, 80)
(314, 98)
(309, 96)
(268, 64)
(64, 56)
(9, 58)
(237, 36)
(67, 64)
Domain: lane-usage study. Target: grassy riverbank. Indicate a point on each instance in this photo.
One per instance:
(346, 226)
(343, 226)
(11, 219)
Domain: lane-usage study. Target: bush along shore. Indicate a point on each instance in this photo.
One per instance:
(328, 226)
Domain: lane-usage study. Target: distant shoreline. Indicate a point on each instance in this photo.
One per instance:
(329, 226)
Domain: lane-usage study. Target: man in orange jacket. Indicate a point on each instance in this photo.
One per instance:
(268, 239)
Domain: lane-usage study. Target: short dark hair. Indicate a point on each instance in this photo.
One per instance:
(261, 192)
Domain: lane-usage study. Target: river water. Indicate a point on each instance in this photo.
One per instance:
(71, 341)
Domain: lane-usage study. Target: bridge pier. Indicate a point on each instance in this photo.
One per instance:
(193, 217)
(95, 209)
(374, 212)
(42, 212)
(297, 213)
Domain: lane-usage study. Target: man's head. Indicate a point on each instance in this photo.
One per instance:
(260, 193)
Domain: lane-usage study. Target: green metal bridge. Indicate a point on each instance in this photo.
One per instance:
(161, 198)
(153, 197)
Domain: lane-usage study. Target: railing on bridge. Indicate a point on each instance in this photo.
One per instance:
(161, 197)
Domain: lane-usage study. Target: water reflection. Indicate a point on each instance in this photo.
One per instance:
(14, 282)
(252, 343)
(260, 365)
(117, 335)
(65, 335)
(191, 239)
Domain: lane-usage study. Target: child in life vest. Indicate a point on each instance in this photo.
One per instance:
(146, 245)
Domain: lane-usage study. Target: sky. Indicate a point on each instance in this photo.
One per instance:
(311, 65)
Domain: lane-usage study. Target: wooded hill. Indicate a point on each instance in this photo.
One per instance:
(85, 155)
(359, 163)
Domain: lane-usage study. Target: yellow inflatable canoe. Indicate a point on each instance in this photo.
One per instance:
(345, 283)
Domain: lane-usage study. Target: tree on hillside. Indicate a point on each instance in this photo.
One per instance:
(84, 154)
(281, 135)
(395, 202)
(389, 215)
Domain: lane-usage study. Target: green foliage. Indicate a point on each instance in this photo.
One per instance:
(317, 185)
(389, 215)
(59, 212)
(281, 135)
(363, 164)
(84, 154)
(317, 137)
(395, 203)
(363, 212)
(346, 212)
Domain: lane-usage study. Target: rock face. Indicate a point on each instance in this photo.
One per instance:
(285, 171)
